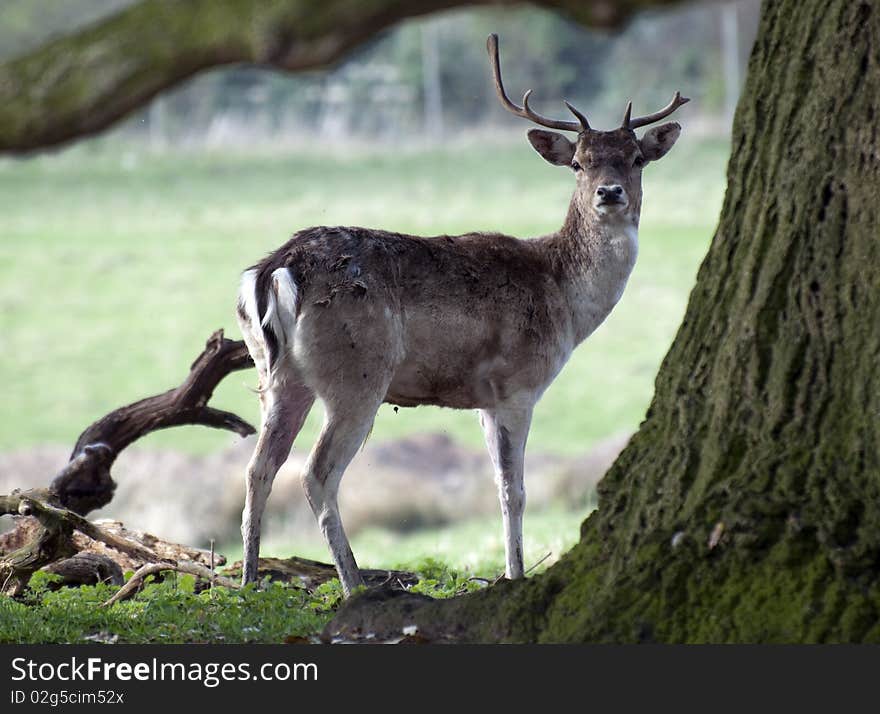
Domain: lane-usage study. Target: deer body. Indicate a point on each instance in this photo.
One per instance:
(357, 317)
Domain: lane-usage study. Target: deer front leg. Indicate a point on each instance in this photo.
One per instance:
(506, 431)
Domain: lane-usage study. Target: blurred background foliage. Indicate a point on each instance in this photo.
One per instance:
(428, 77)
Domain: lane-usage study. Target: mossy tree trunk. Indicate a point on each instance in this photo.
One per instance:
(747, 506)
(760, 455)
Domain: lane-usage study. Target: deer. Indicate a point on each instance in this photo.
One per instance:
(356, 317)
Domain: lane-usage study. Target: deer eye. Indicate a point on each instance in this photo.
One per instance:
(575, 165)
(638, 162)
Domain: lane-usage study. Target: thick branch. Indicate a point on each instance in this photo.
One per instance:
(186, 404)
(84, 484)
(52, 539)
(82, 83)
(51, 542)
(62, 520)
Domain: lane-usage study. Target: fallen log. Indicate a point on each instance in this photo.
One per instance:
(164, 550)
(83, 552)
(52, 539)
(98, 552)
(52, 527)
(85, 568)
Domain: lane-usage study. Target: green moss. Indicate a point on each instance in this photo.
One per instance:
(681, 595)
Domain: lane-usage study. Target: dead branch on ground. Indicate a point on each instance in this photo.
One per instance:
(52, 527)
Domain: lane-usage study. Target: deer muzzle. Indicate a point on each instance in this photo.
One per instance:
(610, 198)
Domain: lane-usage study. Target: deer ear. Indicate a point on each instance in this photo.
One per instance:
(656, 142)
(554, 147)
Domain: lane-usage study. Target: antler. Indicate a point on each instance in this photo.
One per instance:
(629, 123)
(525, 111)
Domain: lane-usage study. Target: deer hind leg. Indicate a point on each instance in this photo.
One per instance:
(345, 430)
(506, 431)
(283, 410)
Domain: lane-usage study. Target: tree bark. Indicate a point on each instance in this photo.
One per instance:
(82, 83)
(85, 569)
(51, 539)
(99, 550)
(747, 506)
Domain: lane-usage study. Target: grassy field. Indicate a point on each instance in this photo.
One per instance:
(464, 556)
(116, 264)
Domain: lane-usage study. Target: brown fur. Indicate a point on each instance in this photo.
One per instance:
(436, 284)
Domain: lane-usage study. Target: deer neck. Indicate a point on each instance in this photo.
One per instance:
(596, 256)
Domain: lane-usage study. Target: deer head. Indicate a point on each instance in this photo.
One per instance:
(607, 164)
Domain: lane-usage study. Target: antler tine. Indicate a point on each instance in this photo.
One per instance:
(546, 121)
(677, 101)
(627, 114)
(580, 117)
(525, 111)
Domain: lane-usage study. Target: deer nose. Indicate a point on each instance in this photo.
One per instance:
(610, 193)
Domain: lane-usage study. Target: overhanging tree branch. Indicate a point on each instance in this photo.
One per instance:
(82, 83)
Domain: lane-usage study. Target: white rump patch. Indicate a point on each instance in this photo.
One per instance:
(281, 306)
(247, 296)
(280, 318)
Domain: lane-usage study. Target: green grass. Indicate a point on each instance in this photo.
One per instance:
(164, 613)
(115, 265)
(463, 557)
